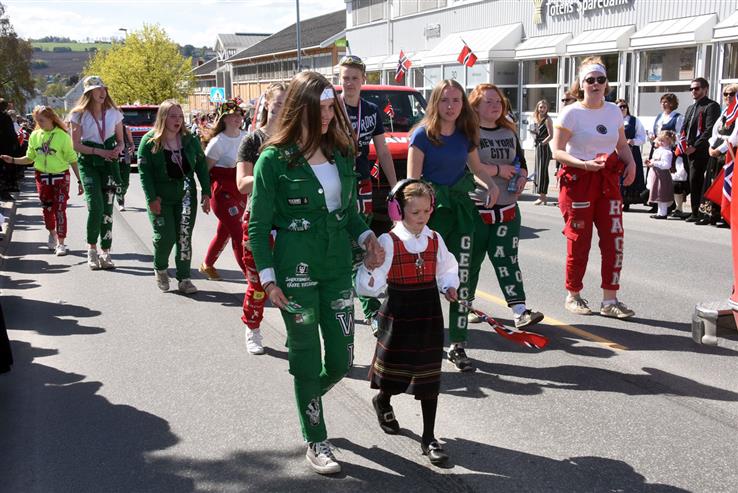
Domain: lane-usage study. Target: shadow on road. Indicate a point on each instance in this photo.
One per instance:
(48, 317)
(59, 435)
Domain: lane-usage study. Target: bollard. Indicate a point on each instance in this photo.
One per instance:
(708, 316)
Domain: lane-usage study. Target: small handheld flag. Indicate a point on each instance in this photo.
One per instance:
(467, 56)
(403, 65)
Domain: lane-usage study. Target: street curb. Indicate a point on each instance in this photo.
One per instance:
(8, 209)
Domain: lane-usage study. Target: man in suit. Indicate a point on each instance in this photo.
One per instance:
(698, 122)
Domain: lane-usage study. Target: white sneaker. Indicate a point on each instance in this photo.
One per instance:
(52, 242)
(321, 459)
(185, 286)
(93, 260)
(106, 262)
(61, 250)
(162, 279)
(254, 341)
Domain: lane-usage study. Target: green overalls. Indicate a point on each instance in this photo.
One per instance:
(312, 264)
(178, 200)
(100, 178)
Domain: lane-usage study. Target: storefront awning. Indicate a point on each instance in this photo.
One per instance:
(728, 28)
(373, 62)
(675, 32)
(542, 46)
(600, 40)
(488, 43)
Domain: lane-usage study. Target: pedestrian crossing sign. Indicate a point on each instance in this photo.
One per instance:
(217, 94)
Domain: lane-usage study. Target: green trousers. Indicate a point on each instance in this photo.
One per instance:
(173, 227)
(369, 306)
(318, 278)
(499, 242)
(99, 185)
(459, 243)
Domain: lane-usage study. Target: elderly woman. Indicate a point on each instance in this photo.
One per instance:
(589, 140)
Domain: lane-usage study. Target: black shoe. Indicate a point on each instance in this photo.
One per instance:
(671, 208)
(656, 216)
(626, 207)
(457, 356)
(386, 417)
(692, 219)
(434, 451)
(676, 215)
(654, 208)
(702, 222)
(6, 197)
(722, 224)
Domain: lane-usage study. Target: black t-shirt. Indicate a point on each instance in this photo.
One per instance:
(371, 125)
(173, 169)
(248, 151)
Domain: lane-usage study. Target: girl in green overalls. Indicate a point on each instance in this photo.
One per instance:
(97, 135)
(305, 188)
(169, 156)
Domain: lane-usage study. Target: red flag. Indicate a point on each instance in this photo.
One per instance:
(522, 337)
(467, 56)
(403, 65)
(681, 145)
(389, 110)
(375, 170)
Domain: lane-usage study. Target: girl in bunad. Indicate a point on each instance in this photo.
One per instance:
(248, 153)
(226, 201)
(659, 179)
(409, 350)
(51, 154)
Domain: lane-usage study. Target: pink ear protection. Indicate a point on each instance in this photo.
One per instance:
(395, 201)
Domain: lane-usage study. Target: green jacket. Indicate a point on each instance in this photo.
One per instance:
(152, 170)
(291, 199)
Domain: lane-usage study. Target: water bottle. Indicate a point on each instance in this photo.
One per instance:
(512, 185)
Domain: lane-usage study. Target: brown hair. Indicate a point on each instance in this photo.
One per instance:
(671, 100)
(620, 101)
(48, 112)
(667, 135)
(476, 97)
(273, 88)
(467, 122)
(576, 88)
(161, 119)
(303, 101)
(537, 114)
(416, 189)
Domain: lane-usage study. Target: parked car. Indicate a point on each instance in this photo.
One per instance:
(401, 108)
(139, 119)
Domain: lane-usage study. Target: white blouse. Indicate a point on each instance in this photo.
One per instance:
(90, 128)
(373, 283)
(661, 158)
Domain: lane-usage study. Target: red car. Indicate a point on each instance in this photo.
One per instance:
(139, 119)
(401, 108)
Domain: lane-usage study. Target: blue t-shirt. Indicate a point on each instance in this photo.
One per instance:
(370, 126)
(444, 164)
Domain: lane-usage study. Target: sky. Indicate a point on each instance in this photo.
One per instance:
(194, 22)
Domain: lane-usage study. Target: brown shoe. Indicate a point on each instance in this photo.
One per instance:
(210, 272)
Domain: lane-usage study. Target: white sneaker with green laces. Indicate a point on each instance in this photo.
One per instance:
(321, 459)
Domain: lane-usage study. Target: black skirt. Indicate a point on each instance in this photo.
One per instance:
(410, 343)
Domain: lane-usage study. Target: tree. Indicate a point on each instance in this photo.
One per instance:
(16, 83)
(57, 89)
(147, 68)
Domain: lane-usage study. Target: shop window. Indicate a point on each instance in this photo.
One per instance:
(418, 79)
(649, 98)
(668, 65)
(455, 72)
(542, 71)
(366, 11)
(374, 77)
(433, 76)
(505, 72)
(389, 76)
(531, 96)
(611, 62)
(408, 7)
(478, 74)
(511, 93)
(730, 62)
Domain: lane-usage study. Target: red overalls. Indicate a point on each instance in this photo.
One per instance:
(228, 205)
(586, 198)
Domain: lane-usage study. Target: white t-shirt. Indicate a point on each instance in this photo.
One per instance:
(224, 150)
(327, 174)
(593, 131)
(90, 130)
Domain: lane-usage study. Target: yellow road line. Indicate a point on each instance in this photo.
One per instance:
(564, 326)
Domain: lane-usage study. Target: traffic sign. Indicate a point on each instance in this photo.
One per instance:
(217, 94)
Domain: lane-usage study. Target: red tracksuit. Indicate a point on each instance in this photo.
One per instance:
(53, 191)
(587, 198)
(255, 297)
(228, 205)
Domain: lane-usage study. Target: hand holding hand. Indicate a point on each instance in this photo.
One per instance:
(7, 159)
(374, 252)
(629, 175)
(451, 294)
(715, 152)
(155, 206)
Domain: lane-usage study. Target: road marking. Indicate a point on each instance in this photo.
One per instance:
(562, 325)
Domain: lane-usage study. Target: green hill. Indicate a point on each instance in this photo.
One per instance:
(49, 46)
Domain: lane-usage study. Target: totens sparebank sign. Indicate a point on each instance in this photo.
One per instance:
(557, 8)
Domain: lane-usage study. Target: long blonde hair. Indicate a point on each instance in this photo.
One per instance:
(160, 123)
(273, 88)
(303, 101)
(85, 102)
(537, 114)
(475, 98)
(48, 112)
(467, 122)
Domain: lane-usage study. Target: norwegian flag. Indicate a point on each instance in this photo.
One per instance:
(403, 65)
(721, 190)
(522, 337)
(681, 145)
(467, 56)
(389, 110)
(375, 170)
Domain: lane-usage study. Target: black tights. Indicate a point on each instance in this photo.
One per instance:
(428, 406)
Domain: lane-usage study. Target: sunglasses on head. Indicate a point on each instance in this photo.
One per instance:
(726, 94)
(600, 80)
(351, 60)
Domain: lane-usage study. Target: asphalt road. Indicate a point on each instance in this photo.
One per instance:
(119, 387)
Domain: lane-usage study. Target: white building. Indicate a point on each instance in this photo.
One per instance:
(531, 48)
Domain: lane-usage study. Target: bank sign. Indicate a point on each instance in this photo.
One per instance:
(560, 8)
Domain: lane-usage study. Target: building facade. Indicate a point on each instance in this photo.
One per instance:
(531, 48)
